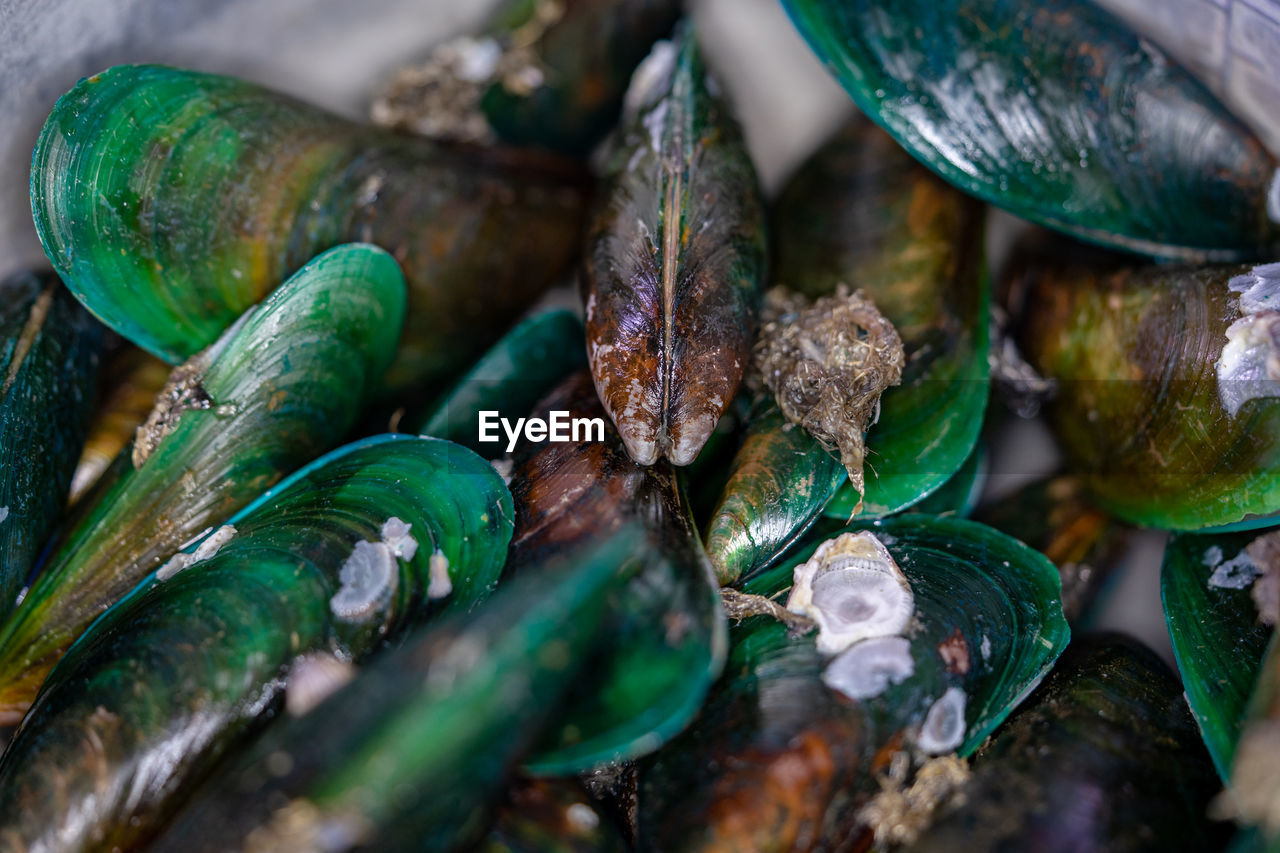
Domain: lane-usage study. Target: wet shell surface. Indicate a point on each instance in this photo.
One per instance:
(1059, 113)
(675, 259)
(279, 388)
(787, 747)
(49, 353)
(1164, 429)
(272, 609)
(449, 714)
(170, 201)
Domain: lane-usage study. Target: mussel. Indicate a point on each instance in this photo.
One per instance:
(1057, 112)
(860, 212)
(264, 614)
(49, 350)
(546, 73)
(788, 746)
(668, 631)
(1218, 640)
(412, 753)
(1102, 757)
(170, 201)
(281, 386)
(675, 259)
(779, 482)
(1164, 405)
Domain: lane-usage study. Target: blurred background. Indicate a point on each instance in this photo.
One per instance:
(336, 54)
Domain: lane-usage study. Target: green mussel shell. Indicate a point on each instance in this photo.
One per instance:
(668, 633)
(170, 201)
(1141, 411)
(960, 494)
(49, 350)
(517, 372)
(862, 213)
(282, 386)
(1055, 517)
(1102, 757)
(411, 754)
(190, 664)
(779, 761)
(1218, 641)
(1058, 113)
(779, 482)
(675, 260)
(1254, 786)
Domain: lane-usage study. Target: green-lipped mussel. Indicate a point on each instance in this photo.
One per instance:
(668, 632)
(280, 387)
(675, 259)
(789, 743)
(1102, 757)
(546, 73)
(170, 201)
(412, 753)
(1218, 641)
(308, 579)
(860, 212)
(49, 349)
(1168, 378)
(1059, 113)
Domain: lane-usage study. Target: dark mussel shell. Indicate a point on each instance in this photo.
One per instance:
(675, 259)
(778, 760)
(1102, 757)
(49, 350)
(668, 631)
(544, 73)
(551, 816)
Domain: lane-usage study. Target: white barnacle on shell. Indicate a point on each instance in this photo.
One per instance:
(944, 724)
(439, 584)
(369, 577)
(395, 533)
(867, 668)
(208, 548)
(1249, 368)
(853, 590)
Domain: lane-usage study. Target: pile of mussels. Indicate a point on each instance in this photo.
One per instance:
(743, 609)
